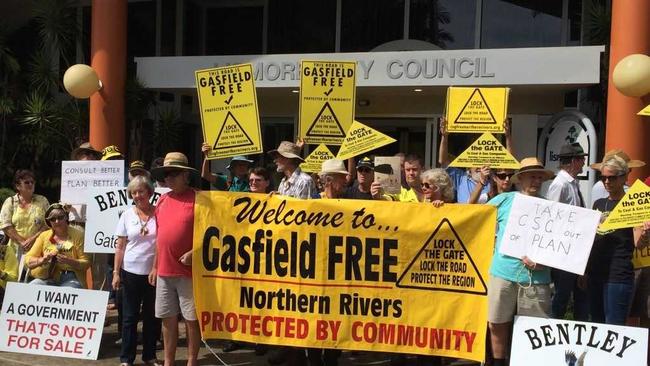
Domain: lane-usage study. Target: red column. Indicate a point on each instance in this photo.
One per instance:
(625, 130)
(108, 58)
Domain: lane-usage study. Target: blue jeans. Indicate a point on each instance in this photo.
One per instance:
(610, 302)
(67, 279)
(566, 283)
(137, 293)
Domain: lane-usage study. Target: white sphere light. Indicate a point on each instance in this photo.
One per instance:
(81, 81)
(631, 75)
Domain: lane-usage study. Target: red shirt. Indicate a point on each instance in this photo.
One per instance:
(175, 228)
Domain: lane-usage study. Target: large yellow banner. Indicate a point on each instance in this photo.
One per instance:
(346, 274)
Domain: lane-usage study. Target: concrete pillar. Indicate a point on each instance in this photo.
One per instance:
(108, 58)
(625, 130)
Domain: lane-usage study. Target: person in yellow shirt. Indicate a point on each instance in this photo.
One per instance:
(57, 257)
(22, 220)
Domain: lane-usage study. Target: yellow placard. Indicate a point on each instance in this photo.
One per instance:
(315, 160)
(344, 274)
(641, 257)
(486, 151)
(327, 90)
(473, 110)
(228, 105)
(632, 210)
(645, 111)
(360, 139)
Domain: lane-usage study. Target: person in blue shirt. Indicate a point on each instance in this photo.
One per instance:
(465, 180)
(238, 168)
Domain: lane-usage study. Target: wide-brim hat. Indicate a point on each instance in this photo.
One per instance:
(52, 207)
(532, 165)
(86, 148)
(287, 149)
(631, 163)
(333, 166)
(573, 150)
(173, 161)
(110, 152)
(240, 158)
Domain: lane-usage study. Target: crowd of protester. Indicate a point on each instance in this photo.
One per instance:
(150, 275)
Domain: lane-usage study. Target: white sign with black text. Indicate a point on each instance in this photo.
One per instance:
(77, 177)
(545, 342)
(104, 208)
(550, 233)
(52, 321)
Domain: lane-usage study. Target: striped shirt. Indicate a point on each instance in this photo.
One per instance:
(298, 185)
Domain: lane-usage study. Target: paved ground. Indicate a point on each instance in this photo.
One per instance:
(109, 355)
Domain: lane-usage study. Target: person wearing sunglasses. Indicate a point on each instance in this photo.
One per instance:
(172, 265)
(57, 257)
(499, 180)
(437, 187)
(609, 270)
(360, 190)
(22, 220)
(466, 181)
(516, 286)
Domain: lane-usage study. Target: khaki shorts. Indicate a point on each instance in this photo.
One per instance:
(506, 298)
(174, 295)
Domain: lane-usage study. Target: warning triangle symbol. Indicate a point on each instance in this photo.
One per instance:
(360, 139)
(486, 151)
(645, 111)
(315, 160)
(476, 110)
(231, 134)
(632, 210)
(443, 264)
(326, 124)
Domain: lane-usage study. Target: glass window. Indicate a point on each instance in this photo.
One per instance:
(192, 32)
(365, 24)
(575, 22)
(234, 30)
(298, 26)
(521, 23)
(141, 30)
(449, 24)
(168, 29)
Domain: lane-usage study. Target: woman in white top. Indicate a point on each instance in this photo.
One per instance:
(134, 256)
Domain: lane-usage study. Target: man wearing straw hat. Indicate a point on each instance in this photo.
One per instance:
(173, 262)
(566, 189)
(517, 286)
(295, 182)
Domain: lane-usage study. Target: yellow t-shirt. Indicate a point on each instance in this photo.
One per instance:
(73, 248)
(405, 195)
(8, 264)
(27, 222)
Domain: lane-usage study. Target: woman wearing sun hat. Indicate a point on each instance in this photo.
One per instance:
(598, 190)
(517, 286)
(57, 257)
